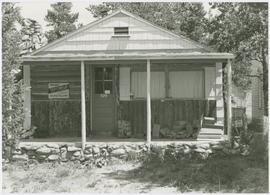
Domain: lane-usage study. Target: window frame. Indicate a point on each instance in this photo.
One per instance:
(103, 80)
(121, 31)
(166, 70)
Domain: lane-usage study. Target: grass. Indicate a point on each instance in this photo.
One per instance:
(155, 173)
(230, 173)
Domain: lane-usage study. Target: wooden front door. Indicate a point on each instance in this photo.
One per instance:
(103, 100)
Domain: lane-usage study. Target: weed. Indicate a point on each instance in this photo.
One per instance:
(62, 172)
(222, 170)
(252, 180)
(133, 156)
(92, 184)
(63, 189)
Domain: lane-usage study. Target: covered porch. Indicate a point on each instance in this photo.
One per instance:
(145, 116)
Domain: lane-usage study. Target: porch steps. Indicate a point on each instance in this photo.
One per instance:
(209, 120)
(210, 129)
(210, 134)
(208, 137)
(213, 126)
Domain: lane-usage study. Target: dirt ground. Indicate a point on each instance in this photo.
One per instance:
(48, 178)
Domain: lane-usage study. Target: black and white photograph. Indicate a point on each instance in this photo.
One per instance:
(134, 97)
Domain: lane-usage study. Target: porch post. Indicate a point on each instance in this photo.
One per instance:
(148, 102)
(27, 97)
(83, 117)
(229, 107)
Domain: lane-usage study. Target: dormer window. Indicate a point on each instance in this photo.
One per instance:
(121, 31)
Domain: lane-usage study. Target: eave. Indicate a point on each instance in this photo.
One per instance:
(156, 56)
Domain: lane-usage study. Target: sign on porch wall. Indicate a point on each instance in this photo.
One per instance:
(58, 90)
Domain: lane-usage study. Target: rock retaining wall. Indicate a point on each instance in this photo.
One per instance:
(44, 152)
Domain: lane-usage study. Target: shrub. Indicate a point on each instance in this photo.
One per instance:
(256, 125)
(12, 103)
(259, 148)
(133, 156)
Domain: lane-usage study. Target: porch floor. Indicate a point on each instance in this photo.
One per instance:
(103, 140)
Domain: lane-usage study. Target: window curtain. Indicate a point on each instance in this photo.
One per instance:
(186, 84)
(138, 84)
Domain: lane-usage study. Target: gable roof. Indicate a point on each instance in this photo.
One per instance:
(69, 35)
(48, 52)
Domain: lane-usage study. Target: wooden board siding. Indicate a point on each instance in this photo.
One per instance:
(141, 36)
(124, 83)
(210, 83)
(219, 93)
(257, 101)
(164, 113)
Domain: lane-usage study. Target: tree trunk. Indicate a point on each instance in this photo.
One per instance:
(265, 82)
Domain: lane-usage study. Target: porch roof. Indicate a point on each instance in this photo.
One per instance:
(127, 56)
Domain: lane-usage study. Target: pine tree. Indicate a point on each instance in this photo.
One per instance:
(61, 19)
(12, 106)
(32, 36)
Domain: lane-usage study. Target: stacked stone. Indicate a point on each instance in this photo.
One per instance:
(101, 154)
(201, 150)
(69, 152)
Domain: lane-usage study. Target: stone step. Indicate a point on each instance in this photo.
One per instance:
(210, 131)
(209, 120)
(209, 139)
(208, 136)
(213, 126)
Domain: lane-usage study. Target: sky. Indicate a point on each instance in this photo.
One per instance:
(38, 10)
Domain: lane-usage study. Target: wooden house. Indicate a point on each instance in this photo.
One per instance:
(120, 72)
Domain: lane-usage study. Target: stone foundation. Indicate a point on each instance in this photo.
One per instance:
(63, 152)
(43, 152)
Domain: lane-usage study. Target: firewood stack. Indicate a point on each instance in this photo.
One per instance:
(27, 133)
(124, 129)
(180, 130)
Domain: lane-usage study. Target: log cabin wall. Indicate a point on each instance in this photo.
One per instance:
(62, 117)
(56, 117)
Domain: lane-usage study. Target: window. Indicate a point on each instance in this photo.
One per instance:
(103, 80)
(186, 84)
(120, 30)
(138, 84)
